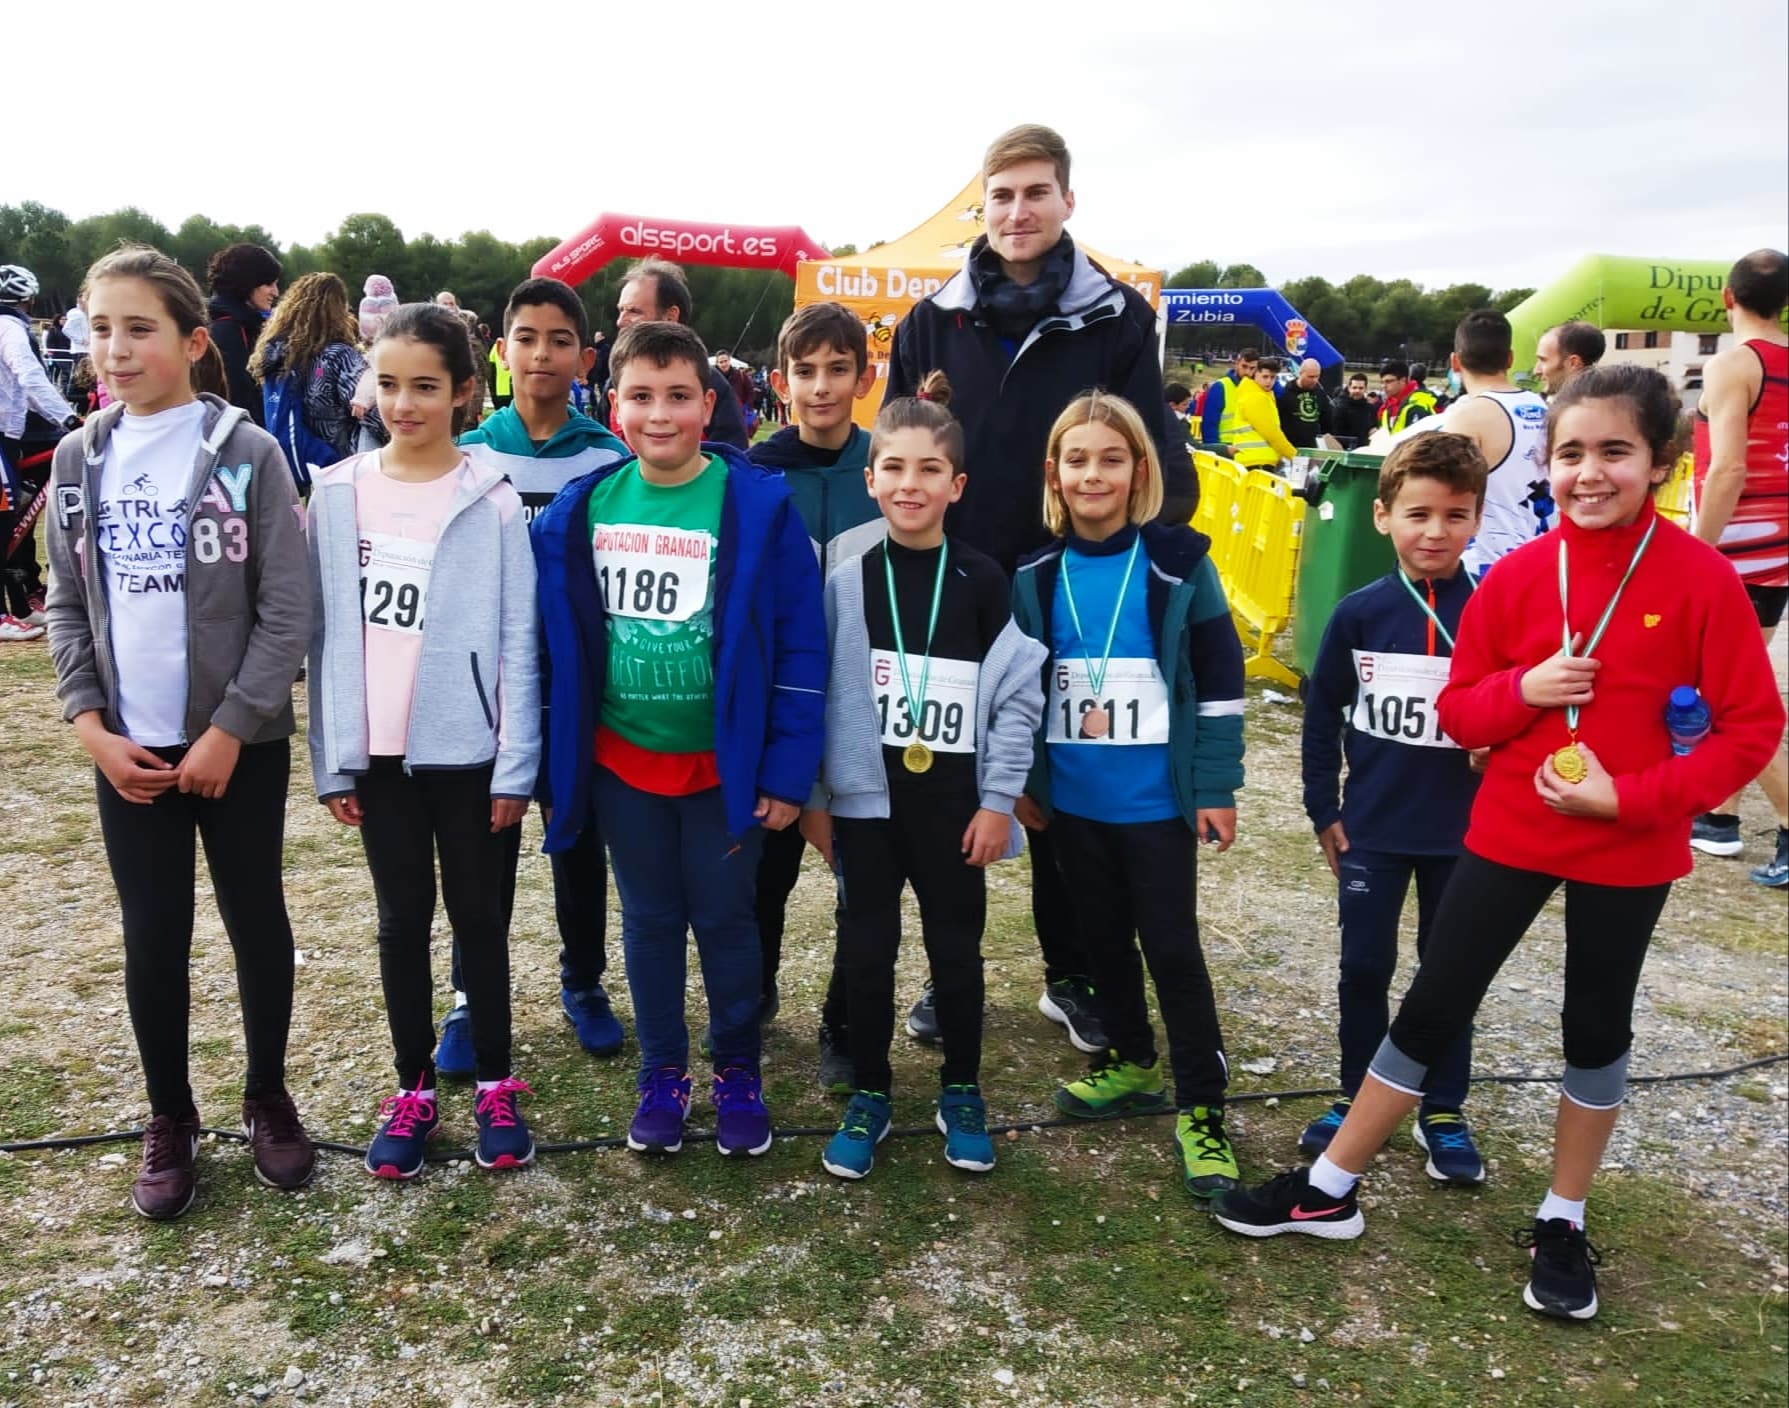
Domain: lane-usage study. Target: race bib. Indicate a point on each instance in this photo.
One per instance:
(651, 573)
(947, 722)
(1395, 697)
(1135, 701)
(394, 581)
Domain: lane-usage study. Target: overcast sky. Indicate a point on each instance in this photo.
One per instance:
(1482, 142)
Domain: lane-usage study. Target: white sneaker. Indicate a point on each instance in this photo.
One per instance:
(37, 618)
(11, 628)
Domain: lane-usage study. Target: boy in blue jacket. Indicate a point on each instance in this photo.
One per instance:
(540, 445)
(822, 371)
(681, 614)
(1371, 697)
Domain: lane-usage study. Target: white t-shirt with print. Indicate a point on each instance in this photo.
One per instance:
(140, 525)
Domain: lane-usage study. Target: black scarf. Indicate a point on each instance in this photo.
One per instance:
(1015, 309)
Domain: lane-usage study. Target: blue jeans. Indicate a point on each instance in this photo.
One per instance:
(677, 869)
(1369, 904)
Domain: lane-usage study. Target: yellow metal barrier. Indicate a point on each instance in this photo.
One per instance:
(1255, 523)
(1673, 499)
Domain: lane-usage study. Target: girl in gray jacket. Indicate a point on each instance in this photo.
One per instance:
(178, 614)
(425, 714)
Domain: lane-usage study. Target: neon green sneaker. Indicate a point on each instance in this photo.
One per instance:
(1114, 1088)
(1207, 1162)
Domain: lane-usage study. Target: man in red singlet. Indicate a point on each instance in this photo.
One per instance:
(1742, 496)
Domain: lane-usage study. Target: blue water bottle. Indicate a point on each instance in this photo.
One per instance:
(1688, 719)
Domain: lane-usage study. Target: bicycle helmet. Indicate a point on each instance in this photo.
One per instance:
(17, 284)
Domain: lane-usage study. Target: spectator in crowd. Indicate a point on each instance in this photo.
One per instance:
(656, 292)
(1179, 397)
(58, 358)
(737, 377)
(33, 416)
(1255, 438)
(380, 303)
(1566, 350)
(1407, 400)
(80, 339)
(1305, 413)
(1217, 406)
(447, 300)
(245, 281)
(311, 337)
(1354, 415)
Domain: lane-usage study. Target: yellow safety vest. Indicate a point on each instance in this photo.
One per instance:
(1235, 431)
(1424, 400)
(499, 375)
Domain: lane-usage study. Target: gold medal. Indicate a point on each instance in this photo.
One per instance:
(916, 757)
(1568, 762)
(1095, 723)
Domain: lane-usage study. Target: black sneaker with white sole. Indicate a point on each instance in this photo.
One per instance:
(1562, 1281)
(1288, 1203)
(922, 1021)
(1072, 1005)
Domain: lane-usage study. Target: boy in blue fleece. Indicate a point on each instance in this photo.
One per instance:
(680, 608)
(540, 445)
(822, 371)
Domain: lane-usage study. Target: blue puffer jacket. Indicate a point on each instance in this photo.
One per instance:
(769, 643)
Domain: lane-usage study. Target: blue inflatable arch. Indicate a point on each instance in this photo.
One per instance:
(1263, 308)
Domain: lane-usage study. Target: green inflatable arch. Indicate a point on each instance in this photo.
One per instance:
(1613, 291)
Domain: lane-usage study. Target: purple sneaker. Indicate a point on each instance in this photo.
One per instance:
(741, 1123)
(664, 1103)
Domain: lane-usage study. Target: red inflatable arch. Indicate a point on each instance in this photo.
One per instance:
(613, 236)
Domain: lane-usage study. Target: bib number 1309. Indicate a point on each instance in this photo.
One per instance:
(1395, 698)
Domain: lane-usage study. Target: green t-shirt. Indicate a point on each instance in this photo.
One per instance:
(655, 549)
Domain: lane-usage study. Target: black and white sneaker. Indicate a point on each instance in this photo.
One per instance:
(1072, 1005)
(1562, 1281)
(922, 1021)
(1289, 1204)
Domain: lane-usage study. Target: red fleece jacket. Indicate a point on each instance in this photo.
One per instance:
(1684, 619)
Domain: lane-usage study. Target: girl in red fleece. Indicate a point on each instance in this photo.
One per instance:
(1566, 657)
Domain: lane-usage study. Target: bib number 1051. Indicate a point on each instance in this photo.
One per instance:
(1395, 698)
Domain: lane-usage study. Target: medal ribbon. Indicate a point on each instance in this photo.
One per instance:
(1596, 636)
(916, 704)
(1097, 679)
(1428, 607)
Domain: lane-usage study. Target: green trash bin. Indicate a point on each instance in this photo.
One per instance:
(1342, 550)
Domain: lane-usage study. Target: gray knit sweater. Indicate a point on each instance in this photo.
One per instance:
(1009, 706)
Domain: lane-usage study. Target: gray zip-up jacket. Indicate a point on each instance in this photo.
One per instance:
(248, 597)
(1009, 708)
(477, 696)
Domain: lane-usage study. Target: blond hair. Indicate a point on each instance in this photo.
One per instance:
(1030, 141)
(1099, 408)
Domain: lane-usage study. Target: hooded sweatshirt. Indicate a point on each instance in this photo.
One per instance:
(235, 328)
(540, 471)
(829, 491)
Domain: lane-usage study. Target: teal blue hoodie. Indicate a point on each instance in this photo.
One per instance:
(538, 473)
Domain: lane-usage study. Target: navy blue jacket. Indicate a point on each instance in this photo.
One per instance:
(769, 646)
(1401, 798)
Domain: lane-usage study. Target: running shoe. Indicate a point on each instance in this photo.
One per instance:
(1072, 1005)
(454, 1058)
(598, 1028)
(1562, 1280)
(397, 1150)
(657, 1127)
(741, 1123)
(851, 1153)
(11, 628)
(1774, 873)
(283, 1153)
(1318, 1133)
(1207, 1162)
(1716, 834)
(963, 1121)
(1446, 1138)
(1113, 1088)
(503, 1137)
(837, 1075)
(1288, 1203)
(166, 1182)
(922, 1020)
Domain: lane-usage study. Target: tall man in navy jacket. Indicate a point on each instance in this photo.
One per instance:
(1028, 324)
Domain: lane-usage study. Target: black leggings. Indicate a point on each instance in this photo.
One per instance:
(407, 818)
(1484, 914)
(151, 852)
(921, 846)
(1052, 916)
(1137, 883)
(779, 866)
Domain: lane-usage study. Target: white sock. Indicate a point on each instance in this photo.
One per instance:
(1332, 1179)
(1553, 1206)
(428, 1094)
(484, 1085)
(459, 998)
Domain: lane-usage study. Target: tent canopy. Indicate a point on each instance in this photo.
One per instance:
(881, 284)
